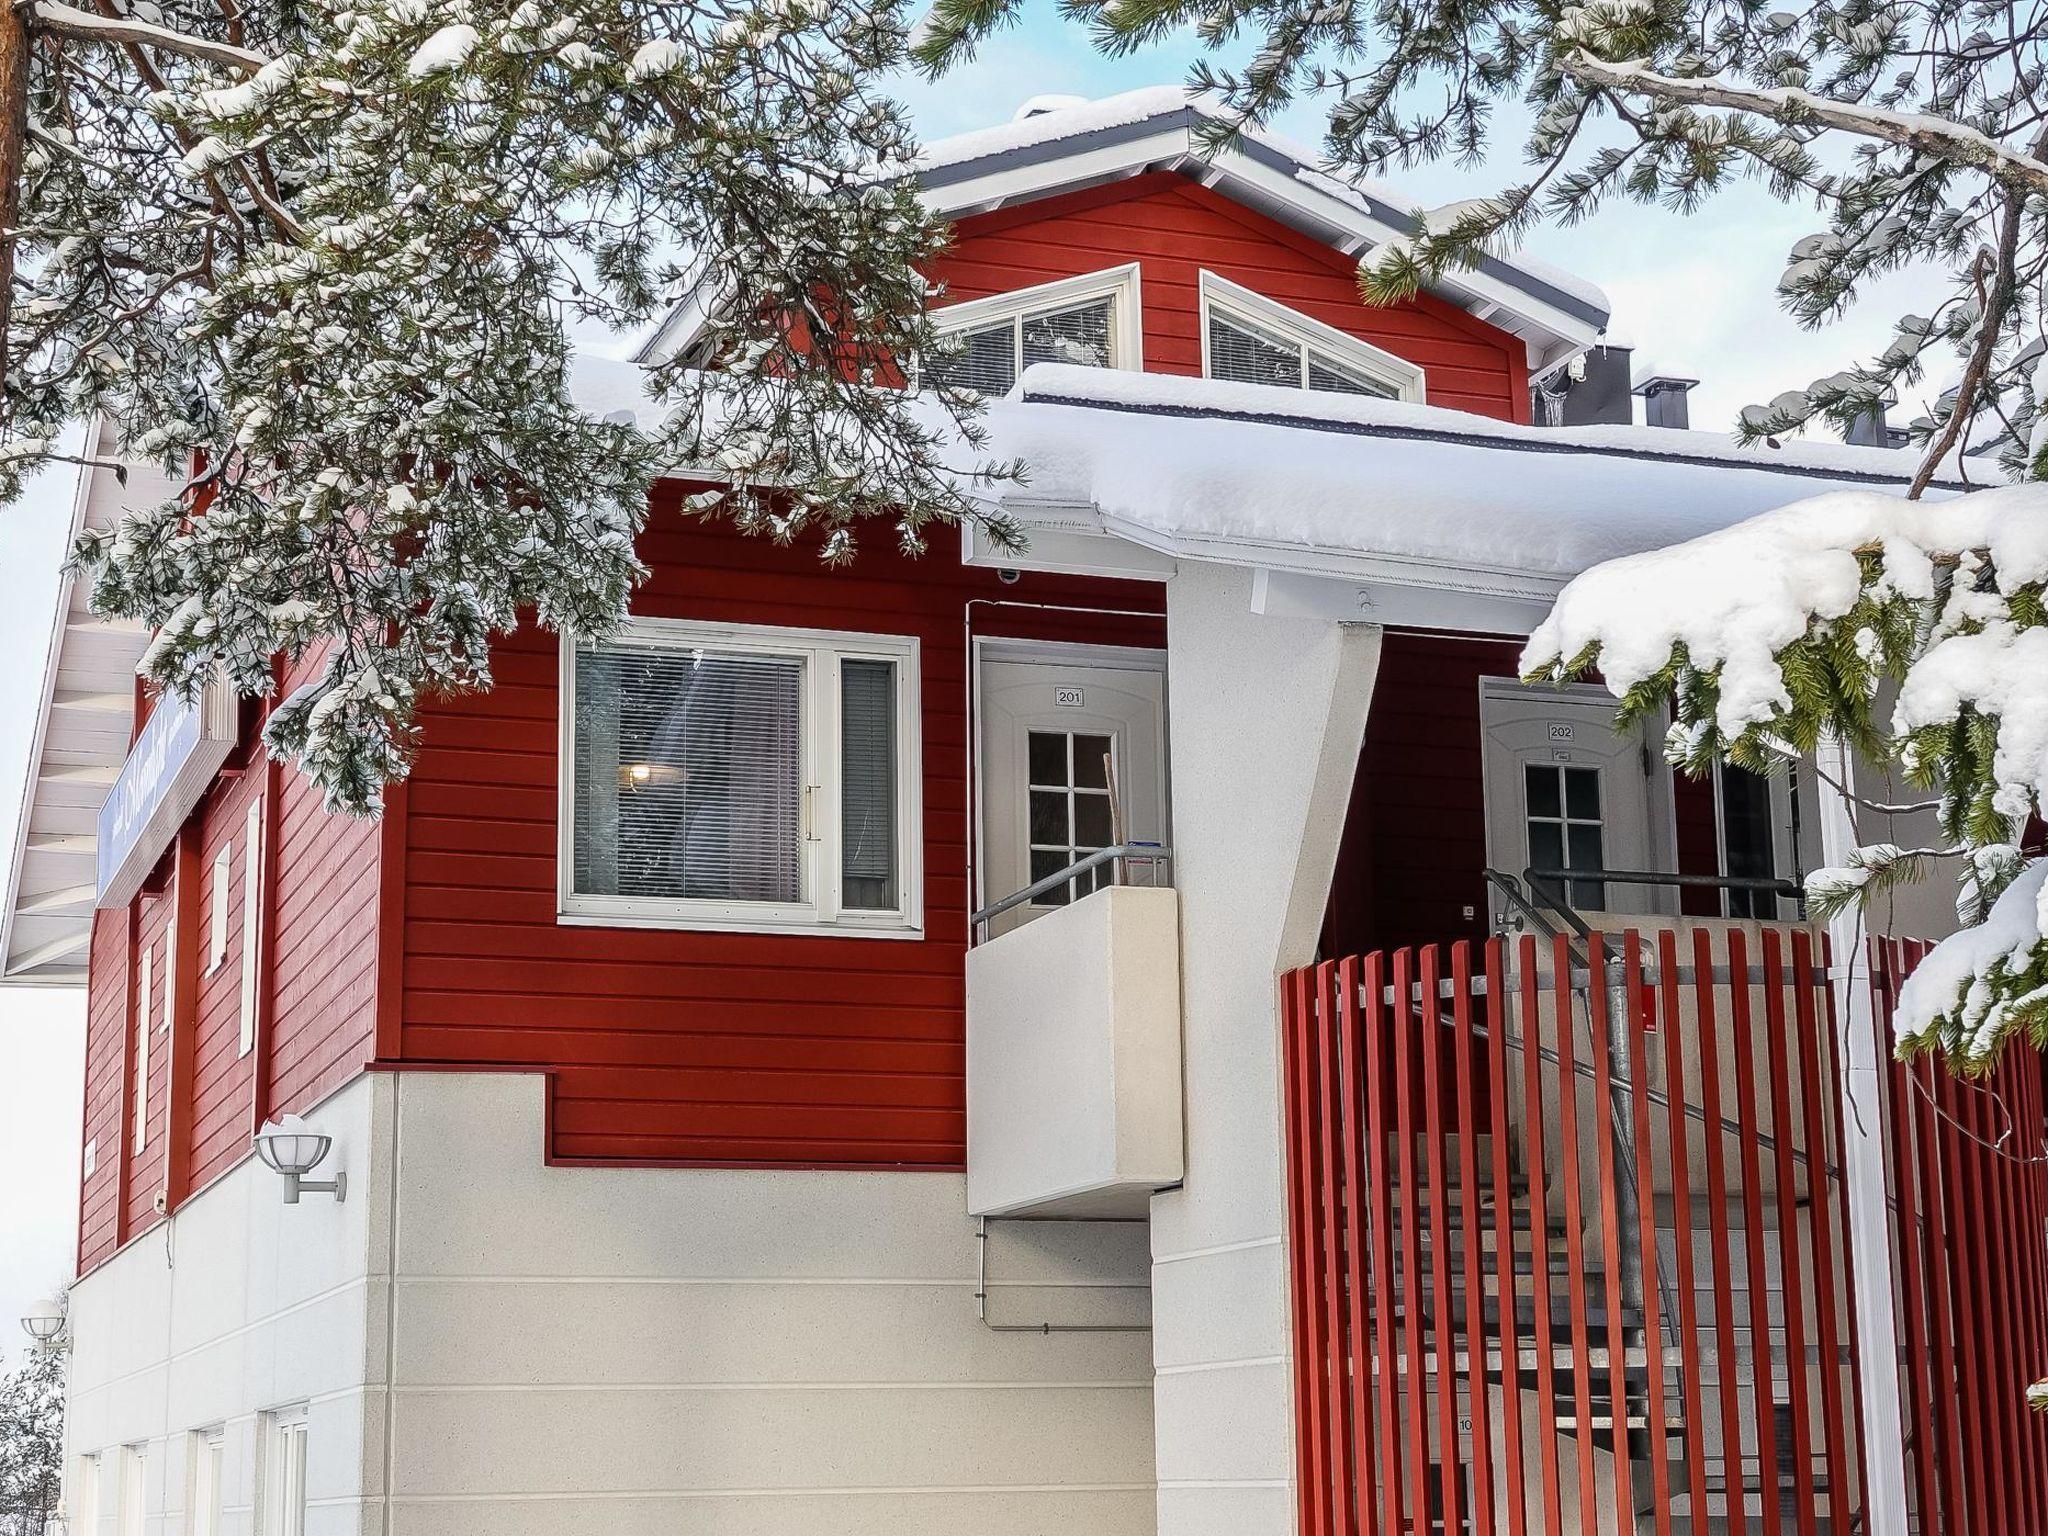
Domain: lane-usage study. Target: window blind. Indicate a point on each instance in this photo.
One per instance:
(1325, 372)
(690, 774)
(983, 359)
(1078, 335)
(867, 785)
(1246, 354)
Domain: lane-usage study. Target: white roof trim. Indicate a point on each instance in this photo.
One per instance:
(1154, 129)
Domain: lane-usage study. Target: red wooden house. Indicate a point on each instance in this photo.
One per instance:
(838, 1056)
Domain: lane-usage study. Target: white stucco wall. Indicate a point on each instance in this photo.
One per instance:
(735, 1353)
(238, 1306)
(1266, 716)
(739, 1353)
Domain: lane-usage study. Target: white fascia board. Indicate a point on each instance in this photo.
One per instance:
(958, 199)
(1346, 221)
(1299, 580)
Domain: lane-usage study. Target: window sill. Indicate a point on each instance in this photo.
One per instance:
(777, 926)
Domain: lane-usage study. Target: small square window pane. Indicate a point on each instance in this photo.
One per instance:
(867, 788)
(983, 359)
(1078, 335)
(1091, 768)
(1539, 782)
(1546, 845)
(1091, 821)
(1049, 818)
(1584, 848)
(1582, 794)
(1245, 353)
(1045, 863)
(1049, 758)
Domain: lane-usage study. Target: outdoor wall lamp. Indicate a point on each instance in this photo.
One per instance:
(45, 1324)
(293, 1148)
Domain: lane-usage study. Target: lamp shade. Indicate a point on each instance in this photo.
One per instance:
(289, 1145)
(45, 1320)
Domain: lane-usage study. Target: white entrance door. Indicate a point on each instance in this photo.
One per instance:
(1067, 748)
(1567, 791)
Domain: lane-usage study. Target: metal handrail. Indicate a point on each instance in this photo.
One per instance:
(1153, 853)
(1774, 884)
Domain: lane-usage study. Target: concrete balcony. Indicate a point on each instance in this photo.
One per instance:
(1074, 1059)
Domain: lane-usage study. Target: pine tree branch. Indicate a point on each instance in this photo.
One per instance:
(68, 21)
(1990, 326)
(1794, 108)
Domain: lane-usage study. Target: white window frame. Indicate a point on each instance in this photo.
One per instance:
(252, 908)
(1120, 285)
(209, 1469)
(217, 908)
(145, 983)
(84, 1502)
(820, 909)
(133, 1515)
(1238, 302)
(284, 1472)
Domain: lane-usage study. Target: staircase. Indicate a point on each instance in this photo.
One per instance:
(1579, 1352)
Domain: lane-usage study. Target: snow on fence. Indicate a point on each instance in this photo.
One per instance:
(1570, 1250)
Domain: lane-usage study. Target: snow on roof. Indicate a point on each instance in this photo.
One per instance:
(613, 389)
(1199, 465)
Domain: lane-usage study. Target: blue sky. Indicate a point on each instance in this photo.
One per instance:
(1696, 294)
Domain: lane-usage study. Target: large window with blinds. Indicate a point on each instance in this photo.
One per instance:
(733, 777)
(1090, 321)
(1247, 338)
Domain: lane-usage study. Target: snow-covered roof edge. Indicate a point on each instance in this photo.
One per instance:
(1367, 416)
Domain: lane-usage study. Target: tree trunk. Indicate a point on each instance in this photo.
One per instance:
(13, 133)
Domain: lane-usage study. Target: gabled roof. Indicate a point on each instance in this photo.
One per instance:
(80, 740)
(1078, 145)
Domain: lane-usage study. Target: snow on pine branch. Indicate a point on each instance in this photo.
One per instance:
(332, 253)
(1766, 637)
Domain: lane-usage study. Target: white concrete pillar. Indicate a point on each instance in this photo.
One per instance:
(1265, 717)
(1861, 1060)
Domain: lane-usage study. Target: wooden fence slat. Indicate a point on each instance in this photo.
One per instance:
(1827, 1299)
(1336, 1343)
(1637, 1065)
(1691, 1358)
(1539, 1238)
(1726, 1370)
(1506, 1289)
(1410, 1282)
(1755, 1259)
(1357, 1279)
(1443, 1329)
(1574, 1239)
(1478, 1390)
(1383, 1291)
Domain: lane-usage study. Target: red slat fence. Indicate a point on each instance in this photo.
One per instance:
(1969, 1201)
(1571, 1257)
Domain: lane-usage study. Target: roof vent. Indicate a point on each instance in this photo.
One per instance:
(1038, 106)
(1664, 399)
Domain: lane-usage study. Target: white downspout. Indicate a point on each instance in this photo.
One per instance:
(1861, 1060)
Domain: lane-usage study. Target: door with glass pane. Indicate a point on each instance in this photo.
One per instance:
(1070, 754)
(1567, 792)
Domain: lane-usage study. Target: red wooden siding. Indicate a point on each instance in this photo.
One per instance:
(222, 1075)
(107, 989)
(323, 952)
(1174, 228)
(318, 971)
(146, 1170)
(704, 1047)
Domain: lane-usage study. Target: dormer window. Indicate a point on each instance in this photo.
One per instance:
(1091, 321)
(1249, 339)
